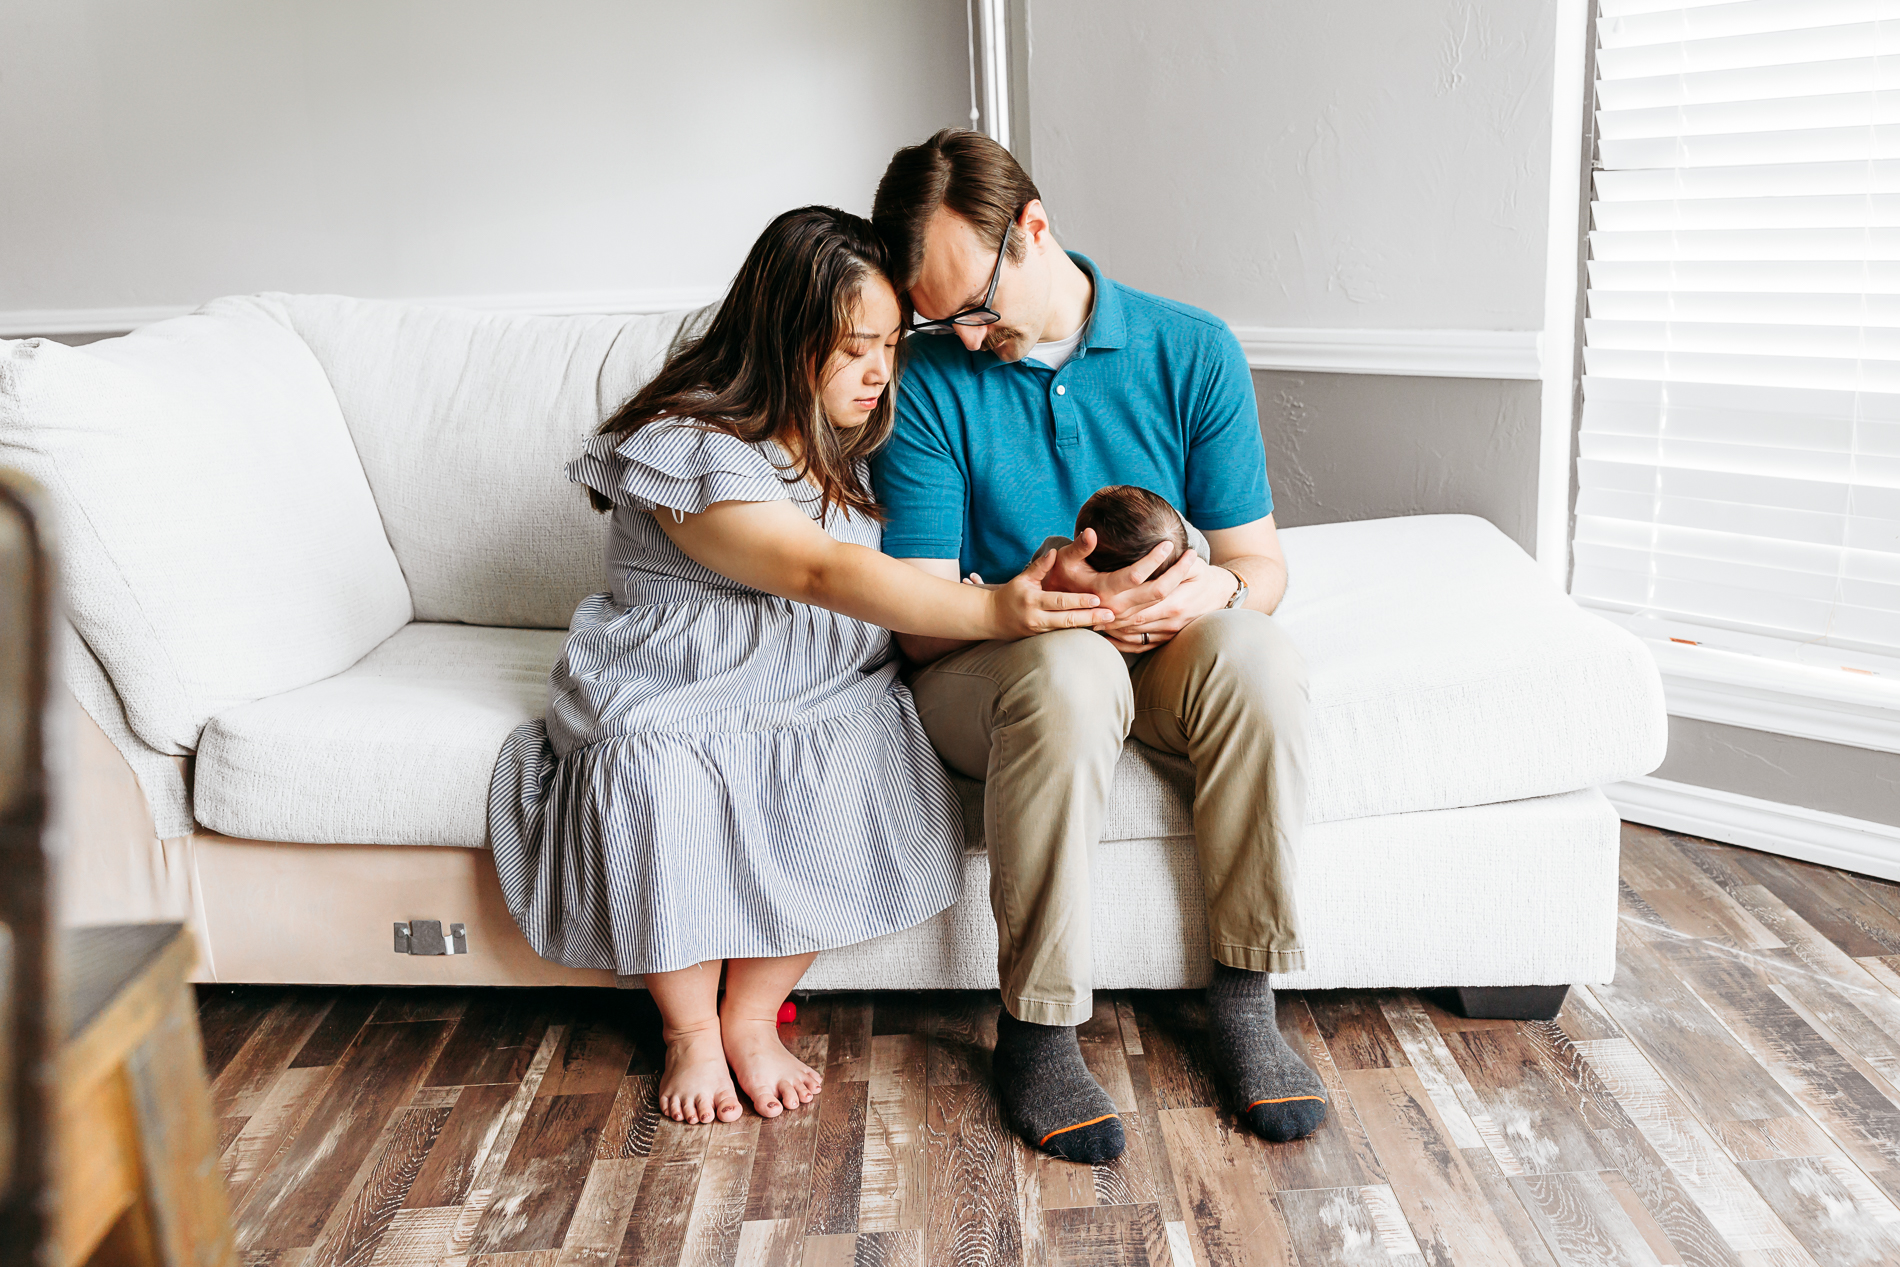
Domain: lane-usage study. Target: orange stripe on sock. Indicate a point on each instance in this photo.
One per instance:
(1283, 1100)
(1078, 1126)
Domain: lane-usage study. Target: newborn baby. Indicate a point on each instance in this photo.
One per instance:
(1128, 522)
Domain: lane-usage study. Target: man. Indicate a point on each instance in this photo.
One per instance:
(1050, 381)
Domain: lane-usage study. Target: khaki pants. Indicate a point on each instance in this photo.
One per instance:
(1042, 722)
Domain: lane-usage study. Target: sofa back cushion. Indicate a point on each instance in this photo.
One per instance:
(465, 422)
(219, 542)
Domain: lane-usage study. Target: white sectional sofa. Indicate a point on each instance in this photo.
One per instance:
(319, 555)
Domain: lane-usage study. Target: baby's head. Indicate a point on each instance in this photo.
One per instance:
(1129, 522)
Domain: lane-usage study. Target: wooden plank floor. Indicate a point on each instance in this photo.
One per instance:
(1733, 1098)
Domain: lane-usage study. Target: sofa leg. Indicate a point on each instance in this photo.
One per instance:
(1508, 1002)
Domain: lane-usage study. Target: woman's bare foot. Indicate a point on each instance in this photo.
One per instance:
(696, 1087)
(774, 1078)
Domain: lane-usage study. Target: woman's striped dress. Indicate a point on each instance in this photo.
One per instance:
(721, 773)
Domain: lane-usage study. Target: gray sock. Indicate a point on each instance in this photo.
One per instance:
(1049, 1095)
(1279, 1095)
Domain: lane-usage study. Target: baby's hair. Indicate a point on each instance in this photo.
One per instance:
(1129, 522)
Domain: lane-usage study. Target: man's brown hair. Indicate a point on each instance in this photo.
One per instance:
(965, 171)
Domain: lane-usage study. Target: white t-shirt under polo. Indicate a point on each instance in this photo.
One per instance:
(1056, 352)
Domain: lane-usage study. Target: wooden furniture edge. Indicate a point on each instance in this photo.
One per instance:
(101, 1044)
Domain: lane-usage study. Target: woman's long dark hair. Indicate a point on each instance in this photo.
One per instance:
(758, 371)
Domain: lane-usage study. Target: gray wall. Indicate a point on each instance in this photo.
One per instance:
(1365, 446)
(166, 154)
(1807, 772)
(1356, 163)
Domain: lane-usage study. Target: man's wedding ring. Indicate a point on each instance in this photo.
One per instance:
(1144, 638)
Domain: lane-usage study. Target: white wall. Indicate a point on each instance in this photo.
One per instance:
(163, 154)
(1346, 164)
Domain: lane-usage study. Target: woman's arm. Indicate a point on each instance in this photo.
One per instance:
(775, 547)
(920, 648)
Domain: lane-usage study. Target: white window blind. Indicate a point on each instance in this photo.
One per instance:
(1739, 472)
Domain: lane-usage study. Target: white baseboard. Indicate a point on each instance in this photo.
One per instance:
(1833, 840)
(1429, 353)
(20, 322)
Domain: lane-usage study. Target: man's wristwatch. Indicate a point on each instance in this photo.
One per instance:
(1240, 595)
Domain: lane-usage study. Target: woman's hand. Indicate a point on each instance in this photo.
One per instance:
(1023, 607)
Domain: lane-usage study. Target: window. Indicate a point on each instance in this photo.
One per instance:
(1739, 469)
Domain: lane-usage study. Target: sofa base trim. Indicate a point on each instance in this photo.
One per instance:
(335, 906)
(1413, 901)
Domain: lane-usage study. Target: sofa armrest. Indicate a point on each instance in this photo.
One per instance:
(112, 866)
(122, 817)
(162, 779)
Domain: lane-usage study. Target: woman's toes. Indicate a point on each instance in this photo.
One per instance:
(728, 1105)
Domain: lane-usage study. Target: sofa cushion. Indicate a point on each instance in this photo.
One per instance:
(465, 422)
(1445, 671)
(395, 751)
(218, 540)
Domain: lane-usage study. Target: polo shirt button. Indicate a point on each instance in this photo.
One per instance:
(1061, 391)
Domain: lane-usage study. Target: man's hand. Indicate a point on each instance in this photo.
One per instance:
(1163, 606)
(1071, 571)
(1144, 602)
(1151, 614)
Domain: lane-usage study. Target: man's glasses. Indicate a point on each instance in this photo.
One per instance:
(980, 314)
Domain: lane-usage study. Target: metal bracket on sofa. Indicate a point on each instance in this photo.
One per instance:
(424, 937)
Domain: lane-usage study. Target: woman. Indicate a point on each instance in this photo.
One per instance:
(730, 770)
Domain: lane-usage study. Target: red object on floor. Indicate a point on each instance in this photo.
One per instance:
(787, 1012)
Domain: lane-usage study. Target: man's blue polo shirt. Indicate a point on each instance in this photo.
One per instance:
(989, 457)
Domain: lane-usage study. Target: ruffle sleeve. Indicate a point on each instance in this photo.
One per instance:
(677, 465)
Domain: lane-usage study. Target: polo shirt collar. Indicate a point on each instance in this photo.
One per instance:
(1107, 324)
